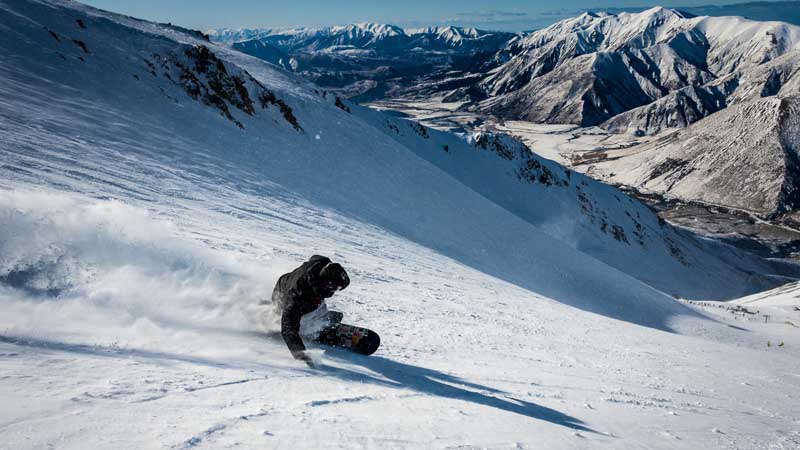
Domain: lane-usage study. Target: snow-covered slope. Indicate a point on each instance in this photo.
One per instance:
(274, 119)
(786, 297)
(154, 185)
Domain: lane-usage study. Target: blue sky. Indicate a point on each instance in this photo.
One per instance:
(512, 15)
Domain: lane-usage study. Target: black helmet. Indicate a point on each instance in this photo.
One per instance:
(332, 277)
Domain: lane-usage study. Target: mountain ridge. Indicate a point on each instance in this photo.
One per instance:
(661, 51)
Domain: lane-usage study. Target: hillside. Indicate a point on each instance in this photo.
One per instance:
(744, 156)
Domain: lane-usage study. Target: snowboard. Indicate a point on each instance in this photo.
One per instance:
(350, 337)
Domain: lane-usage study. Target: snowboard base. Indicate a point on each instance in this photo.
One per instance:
(356, 339)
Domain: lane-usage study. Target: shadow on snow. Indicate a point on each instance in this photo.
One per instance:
(435, 383)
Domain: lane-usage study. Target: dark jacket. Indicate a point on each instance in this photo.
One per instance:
(302, 290)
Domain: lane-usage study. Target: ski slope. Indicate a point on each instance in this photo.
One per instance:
(140, 228)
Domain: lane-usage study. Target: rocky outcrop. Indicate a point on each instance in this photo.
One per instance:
(206, 78)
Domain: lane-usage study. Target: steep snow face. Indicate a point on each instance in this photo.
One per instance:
(692, 63)
(154, 185)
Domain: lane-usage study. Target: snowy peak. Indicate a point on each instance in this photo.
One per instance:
(608, 32)
(377, 30)
(447, 31)
(657, 53)
(451, 34)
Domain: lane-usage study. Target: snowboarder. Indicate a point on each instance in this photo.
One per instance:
(299, 296)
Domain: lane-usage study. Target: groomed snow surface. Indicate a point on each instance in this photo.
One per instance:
(139, 230)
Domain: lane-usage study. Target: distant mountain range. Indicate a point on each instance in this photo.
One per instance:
(369, 36)
(366, 61)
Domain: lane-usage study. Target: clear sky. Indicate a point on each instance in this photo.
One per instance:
(512, 15)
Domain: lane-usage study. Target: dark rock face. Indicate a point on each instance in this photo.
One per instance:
(206, 78)
(267, 98)
(340, 104)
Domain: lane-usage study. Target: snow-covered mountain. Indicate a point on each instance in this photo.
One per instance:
(775, 78)
(154, 185)
(732, 81)
(675, 68)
